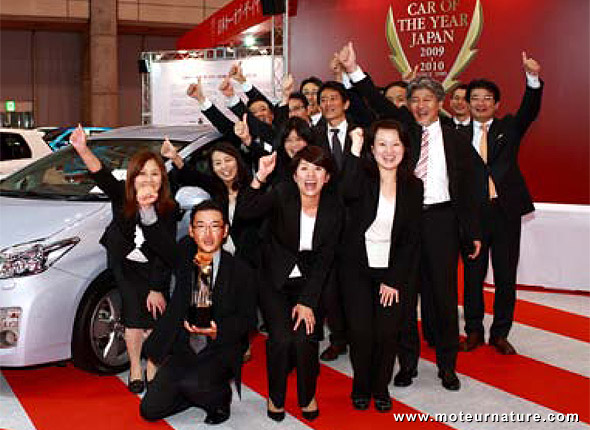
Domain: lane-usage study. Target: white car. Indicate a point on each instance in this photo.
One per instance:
(19, 147)
(57, 297)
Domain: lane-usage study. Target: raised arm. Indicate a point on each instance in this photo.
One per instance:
(78, 140)
(531, 101)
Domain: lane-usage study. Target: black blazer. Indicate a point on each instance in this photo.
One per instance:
(504, 138)
(458, 157)
(360, 191)
(280, 250)
(234, 302)
(321, 138)
(160, 238)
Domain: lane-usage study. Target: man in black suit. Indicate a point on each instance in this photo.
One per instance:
(441, 158)
(332, 135)
(503, 198)
(197, 364)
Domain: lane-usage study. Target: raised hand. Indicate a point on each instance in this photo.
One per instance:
(357, 137)
(167, 150)
(242, 131)
(288, 85)
(196, 91)
(226, 87)
(146, 195)
(336, 67)
(78, 138)
(266, 165)
(411, 74)
(530, 65)
(347, 57)
(236, 73)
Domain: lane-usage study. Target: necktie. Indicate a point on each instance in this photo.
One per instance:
(483, 152)
(422, 165)
(336, 148)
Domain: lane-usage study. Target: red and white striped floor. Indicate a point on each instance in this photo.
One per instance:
(550, 376)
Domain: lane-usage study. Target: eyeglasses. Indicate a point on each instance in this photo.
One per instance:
(202, 228)
(487, 98)
(310, 92)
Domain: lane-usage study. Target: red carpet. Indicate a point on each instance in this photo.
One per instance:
(67, 398)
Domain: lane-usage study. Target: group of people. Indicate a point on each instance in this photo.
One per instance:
(343, 204)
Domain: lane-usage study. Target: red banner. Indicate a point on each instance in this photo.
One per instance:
(229, 21)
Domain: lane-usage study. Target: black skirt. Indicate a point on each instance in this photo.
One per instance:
(132, 278)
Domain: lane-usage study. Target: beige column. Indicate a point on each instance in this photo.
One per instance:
(104, 80)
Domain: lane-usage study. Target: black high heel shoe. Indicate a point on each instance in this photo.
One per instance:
(136, 386)
(311, 415)
(275, 416)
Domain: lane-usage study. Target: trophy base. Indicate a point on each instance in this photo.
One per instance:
(199, 316)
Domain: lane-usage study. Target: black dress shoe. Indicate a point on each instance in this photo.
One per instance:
(449, 380)
(361, 403)
(136, 386)
(217, 415)
(404, 377)
(332, 352)
(383, 404)
(472, 341)
(275, 416)
(502, 345)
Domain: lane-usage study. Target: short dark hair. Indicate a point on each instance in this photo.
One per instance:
(301, 127)
(458, 87)
(401, 84)
(486, 85)
(311, 80)
(208, 205)
(299, 96)
(404, 168)
(314, 155)
(258, 99)
(335, 86)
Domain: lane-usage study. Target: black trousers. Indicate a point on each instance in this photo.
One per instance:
(187, 380)
(373, 330)
(439, 256)
(501, 238)
(331, 308)
(277, 307)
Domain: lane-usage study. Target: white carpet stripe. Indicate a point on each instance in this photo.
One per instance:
(555, 349)
(428, 396)
(12, 414)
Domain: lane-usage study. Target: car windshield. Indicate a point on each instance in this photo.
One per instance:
(63, 175)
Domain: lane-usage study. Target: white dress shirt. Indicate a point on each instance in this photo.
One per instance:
(436, 189)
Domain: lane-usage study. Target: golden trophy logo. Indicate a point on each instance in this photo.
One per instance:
(428, 34)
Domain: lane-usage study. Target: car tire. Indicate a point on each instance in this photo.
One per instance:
(98, 343)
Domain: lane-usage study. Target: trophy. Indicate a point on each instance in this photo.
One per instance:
(199, 312)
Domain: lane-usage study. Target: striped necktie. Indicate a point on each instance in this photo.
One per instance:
(422, 165)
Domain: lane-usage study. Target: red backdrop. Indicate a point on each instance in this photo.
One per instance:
(555, 155)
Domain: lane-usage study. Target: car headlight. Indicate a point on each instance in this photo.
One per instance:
(33, 257)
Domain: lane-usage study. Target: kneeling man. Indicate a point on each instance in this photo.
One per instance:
(197, 364)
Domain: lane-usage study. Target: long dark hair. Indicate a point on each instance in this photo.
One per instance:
(242, 177)
(403, 170)
(164, 204)
(301, 127)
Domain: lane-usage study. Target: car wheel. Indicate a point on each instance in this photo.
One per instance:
(98, 343)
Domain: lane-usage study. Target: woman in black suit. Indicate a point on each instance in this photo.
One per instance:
(228, 176)
(304, 222)
(140, 243)
(381, 238)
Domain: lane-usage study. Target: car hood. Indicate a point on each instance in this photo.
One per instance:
(24, 220)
